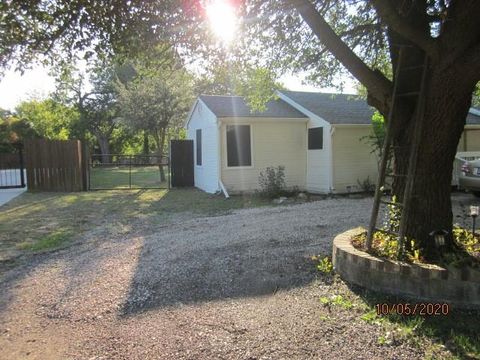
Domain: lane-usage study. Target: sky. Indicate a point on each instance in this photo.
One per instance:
(36, 83)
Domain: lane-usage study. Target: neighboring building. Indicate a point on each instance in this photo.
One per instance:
(317, 137)
(470, 140)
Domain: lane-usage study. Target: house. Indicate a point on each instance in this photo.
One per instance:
(470, 140)
(319, 138)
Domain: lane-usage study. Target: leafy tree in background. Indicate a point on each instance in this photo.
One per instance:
(156, 100)
(94, 97)
(48, 118)
(257, 84)
(13, 129)
(377, 136)
(476, 96)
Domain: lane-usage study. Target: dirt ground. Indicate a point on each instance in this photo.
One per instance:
(236, 286)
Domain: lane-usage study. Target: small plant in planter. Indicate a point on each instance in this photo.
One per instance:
(467, 252)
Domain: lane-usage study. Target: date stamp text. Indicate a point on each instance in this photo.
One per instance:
(407, 309)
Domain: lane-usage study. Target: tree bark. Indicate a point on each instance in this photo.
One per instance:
(104, 148)
(159, 136)
(446, 107)
(146, 145)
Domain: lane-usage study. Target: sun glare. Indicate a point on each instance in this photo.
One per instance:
(223, 20)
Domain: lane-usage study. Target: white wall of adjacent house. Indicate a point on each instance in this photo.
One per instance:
(319, 174)
(274, 142)
(206, 175)
(353, 160)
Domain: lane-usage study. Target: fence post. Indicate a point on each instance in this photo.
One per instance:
(85, 167)
(22, 173)
(130, 173)
(169, 173)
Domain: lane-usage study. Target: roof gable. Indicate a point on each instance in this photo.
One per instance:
(235, 106)
(334, 108)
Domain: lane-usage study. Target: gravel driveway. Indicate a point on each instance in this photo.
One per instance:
(238, 286)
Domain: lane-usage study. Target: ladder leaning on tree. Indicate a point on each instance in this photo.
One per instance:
(386, 150)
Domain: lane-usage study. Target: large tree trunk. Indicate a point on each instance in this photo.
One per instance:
(447, 101)
(159, 136)
(104, 148)
(146, 145)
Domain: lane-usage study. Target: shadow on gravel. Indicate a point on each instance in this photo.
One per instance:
(215, 273)
(31, 215)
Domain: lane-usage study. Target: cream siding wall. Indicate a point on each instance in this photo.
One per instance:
(352, 158)
(470, 140)
(274, 142)
(206, 175)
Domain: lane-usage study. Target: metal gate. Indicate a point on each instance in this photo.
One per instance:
(116, 171)
(181, 155)
(12, 170)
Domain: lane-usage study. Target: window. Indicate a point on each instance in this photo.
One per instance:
(315, 138)
(239, 152)
(199, 146)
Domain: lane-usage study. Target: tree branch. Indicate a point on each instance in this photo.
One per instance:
(460, 32)
(359, 30)
(401, 26)
(378, 86)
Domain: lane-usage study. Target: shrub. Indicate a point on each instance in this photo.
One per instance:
(366, 185)
(272, 182)
(325, 266)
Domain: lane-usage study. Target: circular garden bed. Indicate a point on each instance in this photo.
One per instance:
(459, 287)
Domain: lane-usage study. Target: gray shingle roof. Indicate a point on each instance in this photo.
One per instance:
(345, 109)
(235, 106)
(473, 118)
(334, 108)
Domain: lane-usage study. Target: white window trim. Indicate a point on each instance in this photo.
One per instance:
(323, 138)
(201, 149)
(251, 148)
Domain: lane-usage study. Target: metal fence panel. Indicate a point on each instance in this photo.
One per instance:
(118, 171)
(12, 170)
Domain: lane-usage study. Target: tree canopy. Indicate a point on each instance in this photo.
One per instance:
(48, 118)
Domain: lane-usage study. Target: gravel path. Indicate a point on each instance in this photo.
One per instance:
(239, 286)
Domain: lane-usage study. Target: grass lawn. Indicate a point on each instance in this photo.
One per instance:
(124, 177)
(38, 222)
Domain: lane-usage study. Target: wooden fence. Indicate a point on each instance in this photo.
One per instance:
(9, 161)
(56, 165)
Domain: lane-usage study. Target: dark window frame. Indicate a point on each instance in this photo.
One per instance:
(198, 147)
(315, 138)
(238, 157)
